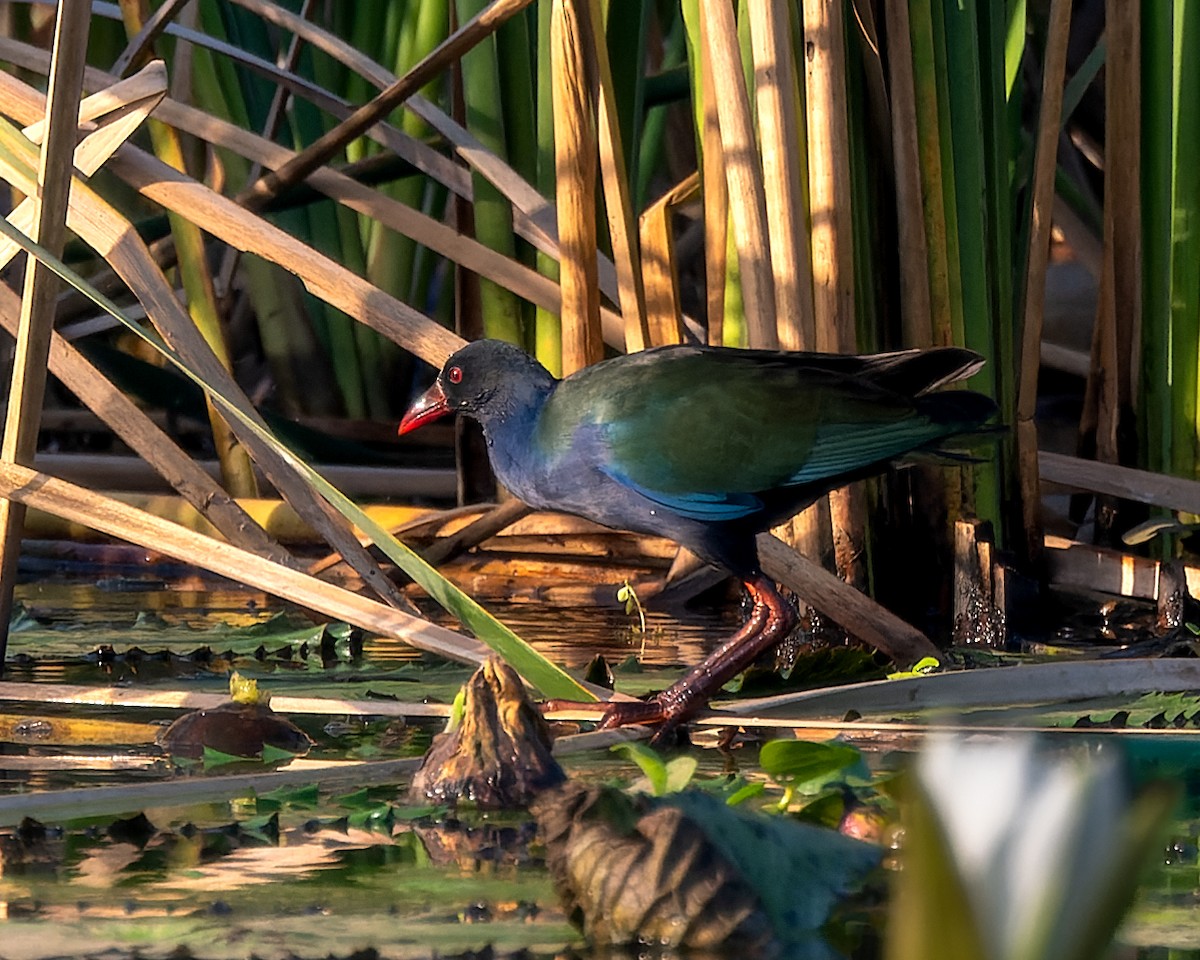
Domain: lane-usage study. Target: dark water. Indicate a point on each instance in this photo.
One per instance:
(328, 874)
(71, 619)
(320, 876)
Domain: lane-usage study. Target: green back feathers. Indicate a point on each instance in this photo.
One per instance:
(681, 421)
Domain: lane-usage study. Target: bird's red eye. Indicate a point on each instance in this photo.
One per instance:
(454, 374)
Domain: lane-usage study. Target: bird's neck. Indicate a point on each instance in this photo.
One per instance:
(512, 445)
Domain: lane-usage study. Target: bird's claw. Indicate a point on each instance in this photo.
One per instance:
(644, 712)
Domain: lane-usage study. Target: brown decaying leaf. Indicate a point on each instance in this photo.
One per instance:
(499, 755)
(238, 729)
(629, 872)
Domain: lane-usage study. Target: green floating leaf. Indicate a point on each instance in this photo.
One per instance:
(272, 754)
(652, 765)
(215, 758)
(798, 762)
(358, 800)
(379, 817)
(306, 797)
(1135, 712)
(264, 827)
(746, 792)
(922, 668)
(680, 771)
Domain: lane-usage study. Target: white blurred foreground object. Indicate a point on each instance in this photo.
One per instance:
(1015, 851)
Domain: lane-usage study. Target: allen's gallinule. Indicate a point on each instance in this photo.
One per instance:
(707, 446)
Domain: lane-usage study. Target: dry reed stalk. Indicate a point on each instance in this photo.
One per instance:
(780, 136)
(1042, 204)
(575, 169)
(664, 316)
(716, 194)
(143, 40)
(237, 470)
(832, 241)
(622, 225)
(136, 429)
(857, 613)
(747, 202)
(118, 111)
(111, 235)
(51, 190)
(118, 519)
(1128, 483)
(1123, 219)
(318, 153)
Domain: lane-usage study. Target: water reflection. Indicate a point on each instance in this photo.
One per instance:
(63, 631)
(257, 885)
(573, 636)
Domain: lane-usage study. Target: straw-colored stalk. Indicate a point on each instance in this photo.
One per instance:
(106, 231)
(780, 112)
(402, 90)
(50, 191)
(747, 200)
(618, 202)
(575, 165)
(663, 313)
(832, 241)
(114, 114)
(716, 192)
(135, 526)
(780, 136)
(125, 254)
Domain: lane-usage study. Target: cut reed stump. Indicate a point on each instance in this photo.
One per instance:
(499, 754)
(991, 598)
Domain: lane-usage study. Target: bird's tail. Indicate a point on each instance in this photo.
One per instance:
(914, 373)
(958, 410)
(965, 420)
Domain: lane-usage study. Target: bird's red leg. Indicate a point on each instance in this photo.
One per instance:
(771, 619)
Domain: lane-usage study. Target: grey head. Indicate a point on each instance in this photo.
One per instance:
(489, 380)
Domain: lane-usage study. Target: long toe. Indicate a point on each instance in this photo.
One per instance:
(625, 713)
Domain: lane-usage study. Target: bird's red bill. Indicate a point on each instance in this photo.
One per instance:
(426, 408)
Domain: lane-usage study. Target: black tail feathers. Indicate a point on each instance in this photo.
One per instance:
(962, 411)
